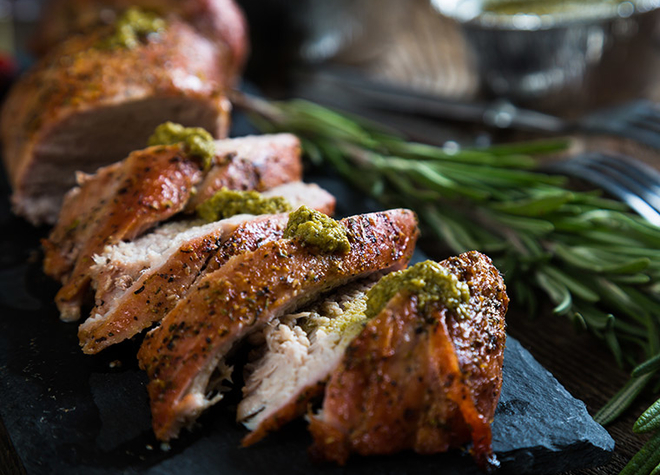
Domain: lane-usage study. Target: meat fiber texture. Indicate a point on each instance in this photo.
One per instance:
(137, 283)
(299, 353)
(274, 159)
(242, 296)
(122, 201)
(420, 378)
(83, 106)
(220, 21)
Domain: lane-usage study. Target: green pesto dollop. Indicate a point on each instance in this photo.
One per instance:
(132, 26)
(349, 323)
(429, 281)
(197, 141)
(550, 7)
(316, 229)
(227, 203)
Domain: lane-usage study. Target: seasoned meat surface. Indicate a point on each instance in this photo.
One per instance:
(300, 352)
(137, 283)
(247, 292)
(220, 21)
(151, 185)
(420, 378)
(82, 106)
(127, 304)
(124, 200)
(81, 205)
(255, 162)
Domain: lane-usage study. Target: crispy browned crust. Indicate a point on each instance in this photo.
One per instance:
(150, 186)
(156, 294)
(260, 168)
(77, 78)
(426, 381)
(124, 200)
(221, 21)
(81, 205)
(246, 293)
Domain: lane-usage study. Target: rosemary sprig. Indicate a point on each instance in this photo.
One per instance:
(596, 261)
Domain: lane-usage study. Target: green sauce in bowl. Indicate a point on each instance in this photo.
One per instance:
(551, 7)
(538, 14)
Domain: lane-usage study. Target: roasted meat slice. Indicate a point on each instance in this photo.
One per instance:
(138, 282)
(425, 374)
(83, 106)
(122, 201)
(271, 159)
(247, 292)
(150, 186)
(300, 351)
(221, 21)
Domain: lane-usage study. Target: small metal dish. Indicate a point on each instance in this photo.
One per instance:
(564, 63)
(570, 60)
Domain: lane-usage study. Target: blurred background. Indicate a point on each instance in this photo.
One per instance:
(560, 56)
(432, 58)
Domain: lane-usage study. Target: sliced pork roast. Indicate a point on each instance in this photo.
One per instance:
(299, 353)
(426, 373)
(250, 290)
(122, 201)
(221, 21)
(150, 186)
(137, 283)
(273, 159)
(85, 105)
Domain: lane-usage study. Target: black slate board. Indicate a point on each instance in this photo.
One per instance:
(68, 413)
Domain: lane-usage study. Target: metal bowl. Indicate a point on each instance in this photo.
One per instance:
(561, 63)
(565, 61)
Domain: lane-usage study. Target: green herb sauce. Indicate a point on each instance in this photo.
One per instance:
(546, 7)
(131, 27)
(316, 229)
(197, 141)
(429, 281)
(227, 203)
(349, 324)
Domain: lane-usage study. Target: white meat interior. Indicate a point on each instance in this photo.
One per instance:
(300, 350)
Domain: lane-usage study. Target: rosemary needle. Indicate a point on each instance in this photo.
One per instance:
(595, 260)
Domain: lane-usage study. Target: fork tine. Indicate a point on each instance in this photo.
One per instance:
(637, 176)
(584, 167)
(638, 121)
(646, 123)
(645, 115)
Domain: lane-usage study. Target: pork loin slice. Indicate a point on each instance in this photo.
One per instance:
(221, 21)
(246, 293)
(300, 352)
(273, 159)
(82, 107)
(138, 282)
(150, 186)
(421, 378)
(122, 201)
(119, 266)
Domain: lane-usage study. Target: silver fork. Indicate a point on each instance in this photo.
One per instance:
(637, 120)
(633, 182)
